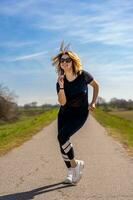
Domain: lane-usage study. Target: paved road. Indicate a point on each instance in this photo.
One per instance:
(35, 170)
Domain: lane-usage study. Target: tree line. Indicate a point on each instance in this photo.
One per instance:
(9, 109)
(115, 103)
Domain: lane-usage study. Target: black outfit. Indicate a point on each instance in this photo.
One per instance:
(74, 113)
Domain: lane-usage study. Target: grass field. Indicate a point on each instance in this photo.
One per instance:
(15, 133)
(117, 126)
(124, 114)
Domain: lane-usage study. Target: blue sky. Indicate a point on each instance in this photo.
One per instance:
(100, 32)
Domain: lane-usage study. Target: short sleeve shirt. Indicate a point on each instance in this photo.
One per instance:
(76, 91)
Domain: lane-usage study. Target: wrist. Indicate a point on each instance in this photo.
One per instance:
(92, 102)
(61, 88)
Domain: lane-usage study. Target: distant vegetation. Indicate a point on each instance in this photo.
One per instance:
(115, 104)
(10, 111)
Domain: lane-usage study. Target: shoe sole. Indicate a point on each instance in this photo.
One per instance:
(67, 182)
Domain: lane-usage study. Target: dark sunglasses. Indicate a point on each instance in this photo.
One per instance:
(67, 60)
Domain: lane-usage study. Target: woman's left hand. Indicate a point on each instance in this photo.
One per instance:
(91, 106)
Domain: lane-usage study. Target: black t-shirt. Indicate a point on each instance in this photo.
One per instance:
(76, 91)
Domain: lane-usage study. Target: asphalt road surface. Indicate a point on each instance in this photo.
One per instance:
(35, 170)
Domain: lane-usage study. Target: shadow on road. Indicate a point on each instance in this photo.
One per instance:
(30, 194)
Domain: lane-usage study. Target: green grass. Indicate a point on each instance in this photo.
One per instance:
(117, 126)
(15, 133)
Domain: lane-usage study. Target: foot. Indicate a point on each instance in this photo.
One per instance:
(69, 177)
(77, 171)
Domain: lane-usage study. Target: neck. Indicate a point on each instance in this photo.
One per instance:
(70, 75)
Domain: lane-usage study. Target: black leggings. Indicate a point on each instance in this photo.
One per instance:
(69, 123)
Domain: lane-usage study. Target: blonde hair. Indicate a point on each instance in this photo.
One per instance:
(76, 63)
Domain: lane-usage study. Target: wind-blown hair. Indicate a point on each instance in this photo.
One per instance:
(76, 63)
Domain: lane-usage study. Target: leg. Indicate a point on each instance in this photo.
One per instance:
(65, 131)
(65, 158)
(61, 123)
(67, 152)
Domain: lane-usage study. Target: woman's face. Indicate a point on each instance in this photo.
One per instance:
(66, 63)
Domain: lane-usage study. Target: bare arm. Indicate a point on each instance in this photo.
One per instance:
(62, 97)
(61, 93)
(95, 86)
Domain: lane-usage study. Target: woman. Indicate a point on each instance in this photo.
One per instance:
(72, 93)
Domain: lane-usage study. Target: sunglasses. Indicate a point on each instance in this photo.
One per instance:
(67, 60)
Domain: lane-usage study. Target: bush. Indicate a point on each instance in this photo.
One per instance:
(8, 108)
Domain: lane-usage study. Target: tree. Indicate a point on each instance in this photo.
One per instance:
(100, 101)
(33, 104)
(8, 107)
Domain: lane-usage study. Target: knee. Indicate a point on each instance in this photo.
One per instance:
(61, 139)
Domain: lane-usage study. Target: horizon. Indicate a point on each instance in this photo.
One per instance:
(58, 103)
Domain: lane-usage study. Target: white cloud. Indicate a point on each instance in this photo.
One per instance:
(14, 7)
(107, 23)
(104, 25)
(25, 57)
(17, 44)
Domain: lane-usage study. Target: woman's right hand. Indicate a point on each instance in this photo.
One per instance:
(61, 81)
(61, 95)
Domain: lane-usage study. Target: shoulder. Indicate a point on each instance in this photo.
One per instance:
(87, 76)
(83, 73)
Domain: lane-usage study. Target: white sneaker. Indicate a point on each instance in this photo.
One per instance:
(77, 171)
(69, 177)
